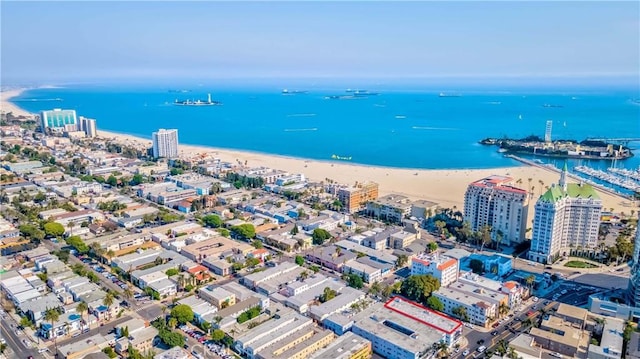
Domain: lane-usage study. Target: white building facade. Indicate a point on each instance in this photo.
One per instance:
(165, 143)
(567, 217)
(493, 202)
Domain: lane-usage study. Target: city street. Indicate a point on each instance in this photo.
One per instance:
(19, 345)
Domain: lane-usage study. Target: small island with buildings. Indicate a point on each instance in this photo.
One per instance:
(593, 149)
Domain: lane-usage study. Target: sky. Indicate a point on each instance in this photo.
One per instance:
(75, 41)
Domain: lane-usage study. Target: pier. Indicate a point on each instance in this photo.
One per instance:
(554, 169)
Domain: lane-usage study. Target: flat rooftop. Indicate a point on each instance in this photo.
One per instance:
(344, 347)
(424, 315)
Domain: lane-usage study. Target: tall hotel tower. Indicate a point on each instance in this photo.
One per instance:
(493, 202)
(165, 143)
(567, 217)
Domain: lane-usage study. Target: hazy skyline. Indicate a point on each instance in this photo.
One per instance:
(71, 41)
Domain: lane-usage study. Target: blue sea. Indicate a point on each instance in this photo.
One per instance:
(408, 128)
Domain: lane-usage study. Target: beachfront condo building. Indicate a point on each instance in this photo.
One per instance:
(354, 198)
(493, 202)
(59, 120)
(165, 143)
(567, 218)
(88, 126)
(634, 279)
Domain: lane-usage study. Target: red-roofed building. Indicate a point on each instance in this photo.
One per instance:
(260, 254)
(442, 267)
(493, 202)
(200, 273)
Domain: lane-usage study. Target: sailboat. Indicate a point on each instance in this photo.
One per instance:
(564, 124)
(519, 117)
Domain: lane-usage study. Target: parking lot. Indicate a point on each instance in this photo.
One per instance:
(573, 293)
(201, 338)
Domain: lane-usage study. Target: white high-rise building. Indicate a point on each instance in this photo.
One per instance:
(59, 119)
(634, 279)
(165, 143)
(567, 217)
(493, 202)
(88, 125)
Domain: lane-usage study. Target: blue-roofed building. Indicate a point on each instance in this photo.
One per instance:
(496, 264)
(66, 324)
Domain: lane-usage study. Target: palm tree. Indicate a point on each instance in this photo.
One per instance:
(304, 275)
(83, 307)
(530, 280)
(52, 315)
(485, 236)
(70, 225)
(504, 309)
(338, 250)
(110, 254)
(108, 301)
(541, 182)
(499, 237)
(127, 293)
(67, 328)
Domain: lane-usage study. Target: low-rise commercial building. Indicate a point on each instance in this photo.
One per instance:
(401, 329)
(347, 346)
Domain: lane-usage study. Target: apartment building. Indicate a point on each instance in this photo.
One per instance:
(493, 202)
(567, 216)
(354, 198)
(392, 208)
(165, 143)
(400, 329)
(444, 268)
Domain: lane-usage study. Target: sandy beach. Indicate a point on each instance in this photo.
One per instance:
(446, 187)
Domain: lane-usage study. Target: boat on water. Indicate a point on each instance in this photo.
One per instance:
(341, 158)
(443, 94)
(293, 92)
(207, 102)
(362, 93)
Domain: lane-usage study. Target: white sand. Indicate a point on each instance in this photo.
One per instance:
(446, 187)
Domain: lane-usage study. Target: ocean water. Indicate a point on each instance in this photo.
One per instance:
(396, 128)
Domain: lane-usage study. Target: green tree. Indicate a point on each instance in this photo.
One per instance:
(460, 313)
(435, 303)
(182, 313)
(257, 244)
(112, 181)
(110, 353)
(217, 335)
(476, 266)
(319, 236)
(295, 229)
(212, 220)
(52, 315)
(244, 231)
(355, 281)
(432, 247)
(299, 260)
(440, 225)
(108, 302)
(402, 260)
(419, 287)
(171, 272)
(171, 339)
(173, 322)
(82, 308)
(327, 295)
(53, 229)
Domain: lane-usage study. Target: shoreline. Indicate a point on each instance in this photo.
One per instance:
(444, 186)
